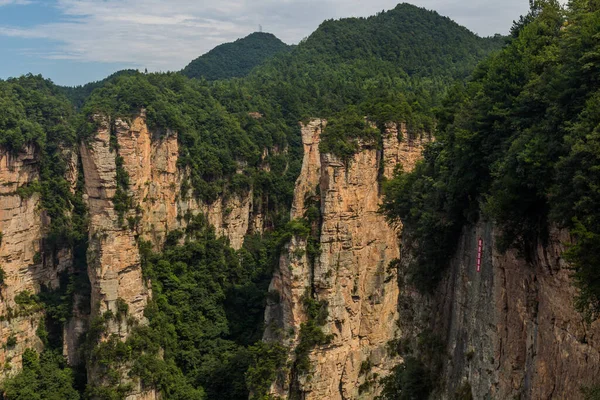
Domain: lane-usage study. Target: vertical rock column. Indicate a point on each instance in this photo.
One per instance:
(114, 262)
(294, 276)
(357, 246)
(156, 207)
(20, 256)
(351, 274)
(113, 258)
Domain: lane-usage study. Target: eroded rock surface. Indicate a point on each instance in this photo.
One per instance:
(157, 207)
(351, 273)
(512, 328)
(25, 267)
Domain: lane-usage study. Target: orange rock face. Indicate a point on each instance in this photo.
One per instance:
(351, 274)
(155, 183)
(25, 268)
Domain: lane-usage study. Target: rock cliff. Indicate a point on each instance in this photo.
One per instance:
(510, 330)
(155, 205)
(350, 275)
(25, 267)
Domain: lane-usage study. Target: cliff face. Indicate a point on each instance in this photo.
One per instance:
(157, 206)
(294, 276)
(24, 265)
(350, 275)
(114, 265)
(511, 330)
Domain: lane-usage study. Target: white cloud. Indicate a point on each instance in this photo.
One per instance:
(167, 34)
(16, 2)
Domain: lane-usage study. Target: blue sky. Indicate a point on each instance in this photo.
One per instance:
(74, 42)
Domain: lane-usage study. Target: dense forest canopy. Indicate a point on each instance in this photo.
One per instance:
(237, 59)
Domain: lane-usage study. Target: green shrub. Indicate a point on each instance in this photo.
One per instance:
(46, 376)
(2, 276)
(267, 360)
(408, 381)
(346, 132)
(11, 341)
(591, 393)
(27, 299)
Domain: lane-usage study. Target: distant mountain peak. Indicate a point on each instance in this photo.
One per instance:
(236, 59)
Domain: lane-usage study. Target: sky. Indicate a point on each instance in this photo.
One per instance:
(74, 42)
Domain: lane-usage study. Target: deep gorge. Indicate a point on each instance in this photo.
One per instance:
(310, 229)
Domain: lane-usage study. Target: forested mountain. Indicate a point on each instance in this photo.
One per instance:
(515, 141)
(517, 144)
(236, 59)
(395, 66)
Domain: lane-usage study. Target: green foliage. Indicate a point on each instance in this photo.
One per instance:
(267, 360)
(237, 59)
(424, 357)
(2, 276)
(234, 136)
(311, 334)
(33, 111)
(11, 341)
(205, 320)
(408, 53)
(410, 380)
(79, 94)
(591, 393)
(518, 142)
(27, 301)
(346, 132)
(44, 377)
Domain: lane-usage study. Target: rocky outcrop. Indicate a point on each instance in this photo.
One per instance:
(114, 265)
(114, 262)
(24, 265)
(154, 180)
(295, 274)
(350, 275)
(158, 206)
(308, 181)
